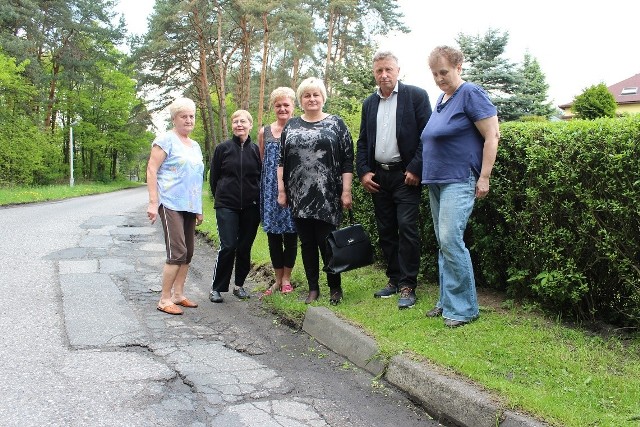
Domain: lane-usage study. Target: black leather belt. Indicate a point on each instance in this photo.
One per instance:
(391, 166)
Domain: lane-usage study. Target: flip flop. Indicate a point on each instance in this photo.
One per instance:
(286, 288)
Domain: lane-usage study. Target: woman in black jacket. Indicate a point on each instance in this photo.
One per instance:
(235, 185)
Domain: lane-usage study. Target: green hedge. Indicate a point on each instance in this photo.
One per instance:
(561, 225)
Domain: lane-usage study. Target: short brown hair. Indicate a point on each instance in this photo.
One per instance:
(451, 54)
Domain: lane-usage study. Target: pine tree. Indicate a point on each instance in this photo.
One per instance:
(534, 89)
(515, 91)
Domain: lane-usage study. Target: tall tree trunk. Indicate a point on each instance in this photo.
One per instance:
(222, 94)
(330, 28)
(295, 69)
(205, 93)
(244, 80)
(263, 72)
(114, 164)
(51, 97)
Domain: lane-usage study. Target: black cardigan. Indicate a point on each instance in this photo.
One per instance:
(235, 174)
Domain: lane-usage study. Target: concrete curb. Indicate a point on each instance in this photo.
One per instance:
(444, 397)
(326, 328)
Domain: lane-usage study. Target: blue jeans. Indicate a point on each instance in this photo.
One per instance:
(451, 206)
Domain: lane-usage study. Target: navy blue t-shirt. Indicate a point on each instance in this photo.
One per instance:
(451, 143)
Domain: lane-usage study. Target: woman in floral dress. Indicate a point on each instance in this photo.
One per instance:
(277, 221)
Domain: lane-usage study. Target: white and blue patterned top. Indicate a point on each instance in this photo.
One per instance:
(180, 176)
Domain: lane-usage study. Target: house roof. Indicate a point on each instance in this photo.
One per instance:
(625, 92)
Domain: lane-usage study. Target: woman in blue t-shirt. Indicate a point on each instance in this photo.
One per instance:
(459, 145)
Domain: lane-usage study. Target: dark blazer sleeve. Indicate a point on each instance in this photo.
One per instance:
(414, 110)
(365, 146)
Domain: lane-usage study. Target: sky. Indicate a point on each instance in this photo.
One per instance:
(577, 44)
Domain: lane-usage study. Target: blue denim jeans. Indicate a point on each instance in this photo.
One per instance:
(451, 206)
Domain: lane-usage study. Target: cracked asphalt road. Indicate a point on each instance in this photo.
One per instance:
(85, 346)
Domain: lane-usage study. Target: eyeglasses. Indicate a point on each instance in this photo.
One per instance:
(240, 122)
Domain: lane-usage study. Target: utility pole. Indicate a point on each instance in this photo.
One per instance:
(71, 155)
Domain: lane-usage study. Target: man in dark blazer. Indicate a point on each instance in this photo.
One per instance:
(389, 165)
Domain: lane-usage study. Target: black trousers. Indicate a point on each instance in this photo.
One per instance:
(397, 208)
(313, 235)
(283, 249)
(237, 230)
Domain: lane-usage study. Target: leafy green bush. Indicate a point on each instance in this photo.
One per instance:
(595, 102)
(563, 216)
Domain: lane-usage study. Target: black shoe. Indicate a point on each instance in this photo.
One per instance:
(387, 292)
(214, 296)
(313, 295)
(407, 298)
(336, 297)
(434, 312)
(454, 323)
(241, 293)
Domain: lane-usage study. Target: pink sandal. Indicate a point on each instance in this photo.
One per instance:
(266, 293)
(286, 288)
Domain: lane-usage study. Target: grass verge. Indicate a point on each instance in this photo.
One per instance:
(18, 195)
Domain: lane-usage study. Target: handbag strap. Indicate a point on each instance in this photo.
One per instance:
(351, 219)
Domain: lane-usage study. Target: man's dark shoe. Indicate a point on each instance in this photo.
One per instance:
(241, 293)
(214, 296)
(336, 296)
(450, 323)
(434, 312)
(407, 298)
(387, 292)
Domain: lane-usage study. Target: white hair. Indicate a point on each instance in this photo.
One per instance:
(181, 104)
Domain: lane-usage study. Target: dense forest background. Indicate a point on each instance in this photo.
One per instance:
(68, 72)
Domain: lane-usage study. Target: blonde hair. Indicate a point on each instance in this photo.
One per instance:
(181, 104)
(309, 84)
(282, 92)
(242, 113)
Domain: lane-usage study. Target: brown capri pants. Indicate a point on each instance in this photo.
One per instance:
(179, 234)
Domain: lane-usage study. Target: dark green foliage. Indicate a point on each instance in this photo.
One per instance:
(595, 102)
(562, 221)
(27, 156)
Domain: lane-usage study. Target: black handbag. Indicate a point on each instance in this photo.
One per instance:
(348, 248)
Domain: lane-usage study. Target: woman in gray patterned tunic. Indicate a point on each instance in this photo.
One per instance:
(315, 172)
